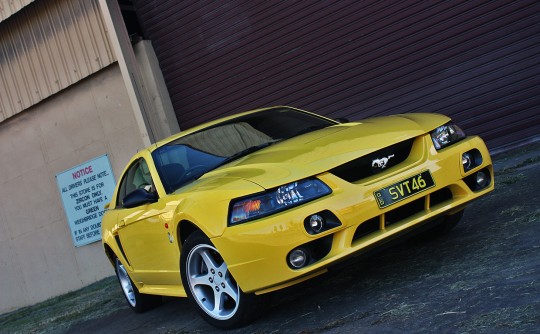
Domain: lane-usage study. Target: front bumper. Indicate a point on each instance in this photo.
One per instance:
(256, 252)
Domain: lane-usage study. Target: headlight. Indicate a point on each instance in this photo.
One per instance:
(446, 135)
(276, 200)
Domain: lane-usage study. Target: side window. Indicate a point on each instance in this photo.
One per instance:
(137, 176)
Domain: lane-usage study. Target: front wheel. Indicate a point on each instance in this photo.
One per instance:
(138, 302)
(210, 285)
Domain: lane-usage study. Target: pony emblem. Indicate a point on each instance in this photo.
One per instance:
(381, 163)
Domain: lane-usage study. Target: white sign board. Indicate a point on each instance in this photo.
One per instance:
(85, 189)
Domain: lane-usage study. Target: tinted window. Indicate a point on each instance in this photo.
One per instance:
(189, 157)
(137, 176)
(179, 164)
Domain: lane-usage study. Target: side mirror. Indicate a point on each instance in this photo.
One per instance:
(139, 197)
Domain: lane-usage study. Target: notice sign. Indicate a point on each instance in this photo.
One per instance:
(85, 189)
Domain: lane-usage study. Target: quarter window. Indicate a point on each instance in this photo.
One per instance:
(137, 177)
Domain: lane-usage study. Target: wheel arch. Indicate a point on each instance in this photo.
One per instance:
(110, 254)
(185, 229)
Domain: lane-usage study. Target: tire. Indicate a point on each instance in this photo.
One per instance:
(210, 286)
(138, 302)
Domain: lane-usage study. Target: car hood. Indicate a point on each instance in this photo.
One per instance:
(319, 151)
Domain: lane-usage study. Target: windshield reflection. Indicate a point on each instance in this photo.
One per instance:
(188, 158)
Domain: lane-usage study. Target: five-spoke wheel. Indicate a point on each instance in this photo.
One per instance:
(125, 283)
(210, 285)
(137, 301)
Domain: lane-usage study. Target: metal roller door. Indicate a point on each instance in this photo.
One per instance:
(478, 62)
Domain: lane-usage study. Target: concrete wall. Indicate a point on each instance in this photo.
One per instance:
(37, 256)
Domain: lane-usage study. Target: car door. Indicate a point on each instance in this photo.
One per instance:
(144, 231)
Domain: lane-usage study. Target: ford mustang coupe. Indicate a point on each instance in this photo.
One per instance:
(259, 201)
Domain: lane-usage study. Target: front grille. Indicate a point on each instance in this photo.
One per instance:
(372, 163)
(440, 196)
(402, 213)
(366, 228)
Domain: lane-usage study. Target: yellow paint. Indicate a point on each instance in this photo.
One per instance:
(256, 251)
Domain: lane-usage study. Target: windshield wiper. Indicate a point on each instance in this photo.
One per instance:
(242, 153)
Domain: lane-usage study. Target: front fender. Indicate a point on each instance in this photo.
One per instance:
(205, 203)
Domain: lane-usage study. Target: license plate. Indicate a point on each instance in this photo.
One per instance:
(404, 189)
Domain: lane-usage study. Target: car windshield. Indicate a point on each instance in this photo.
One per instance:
(188, 158)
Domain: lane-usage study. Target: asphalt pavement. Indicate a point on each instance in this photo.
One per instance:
(483, 277)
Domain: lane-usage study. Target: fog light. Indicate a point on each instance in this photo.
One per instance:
(467, 161)
(481, 179)
(298, 258)
(471, 159)
(316, 223)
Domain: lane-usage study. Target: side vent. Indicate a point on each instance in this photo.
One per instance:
(121, 248)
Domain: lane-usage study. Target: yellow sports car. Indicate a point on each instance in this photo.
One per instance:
(259, 201)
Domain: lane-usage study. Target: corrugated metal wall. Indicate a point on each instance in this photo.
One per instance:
(10, 7)
(477, 61)
(47, 46)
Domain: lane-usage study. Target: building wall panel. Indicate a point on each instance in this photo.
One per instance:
(476, 61)
(88, 119)
(47, 47)
(10, 7)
